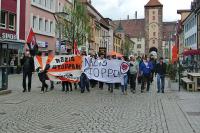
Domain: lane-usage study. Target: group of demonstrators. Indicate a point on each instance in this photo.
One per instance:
(85, 71)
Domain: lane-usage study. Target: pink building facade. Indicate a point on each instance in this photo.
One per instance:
(40, 17)
(12, 30)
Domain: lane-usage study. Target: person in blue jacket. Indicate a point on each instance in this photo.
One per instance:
(145, 68)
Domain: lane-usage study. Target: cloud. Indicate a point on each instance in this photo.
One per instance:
(119, 9)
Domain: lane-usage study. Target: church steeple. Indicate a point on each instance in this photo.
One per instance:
(153, 3)
(120, 28)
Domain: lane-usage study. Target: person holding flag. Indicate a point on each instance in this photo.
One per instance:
(27, 61)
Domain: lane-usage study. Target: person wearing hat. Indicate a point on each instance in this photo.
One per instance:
(160, 71)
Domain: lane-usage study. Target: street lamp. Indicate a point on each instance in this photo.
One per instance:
(62, 15)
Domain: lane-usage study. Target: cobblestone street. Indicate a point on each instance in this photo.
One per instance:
(98, 111)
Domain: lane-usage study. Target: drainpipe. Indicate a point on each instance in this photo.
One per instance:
(18, 19)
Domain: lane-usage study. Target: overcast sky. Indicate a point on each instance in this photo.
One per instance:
(119, 9)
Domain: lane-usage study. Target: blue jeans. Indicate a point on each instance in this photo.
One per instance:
(125, 83)
(160, 82)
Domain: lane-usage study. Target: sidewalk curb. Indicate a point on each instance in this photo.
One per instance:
(4, 92)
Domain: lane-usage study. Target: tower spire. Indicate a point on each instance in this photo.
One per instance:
(153, 3)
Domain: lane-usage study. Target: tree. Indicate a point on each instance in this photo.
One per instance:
(77, 25)
(128, 46)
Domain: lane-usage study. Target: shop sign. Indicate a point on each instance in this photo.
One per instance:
(9, 36)
(42, 44)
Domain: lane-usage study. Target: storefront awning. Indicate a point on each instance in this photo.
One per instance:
(191, 52)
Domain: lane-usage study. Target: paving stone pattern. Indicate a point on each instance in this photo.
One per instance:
(96, 112)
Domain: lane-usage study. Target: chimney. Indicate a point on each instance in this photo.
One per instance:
(127, 17)
(90, 1)
(135, 14)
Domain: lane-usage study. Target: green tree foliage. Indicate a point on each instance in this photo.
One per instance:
(77, 26)
(128, 46)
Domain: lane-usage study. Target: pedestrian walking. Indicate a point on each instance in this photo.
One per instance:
(66, 86)
(145, 71)
(27, 64)
(84, 83)
(110, 85)
(101, 59)
(42, 74)
(133, 73)
(160, 71)
(124, 80)
(84, 80)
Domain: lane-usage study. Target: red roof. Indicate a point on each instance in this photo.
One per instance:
(153, 3)
(132, 27)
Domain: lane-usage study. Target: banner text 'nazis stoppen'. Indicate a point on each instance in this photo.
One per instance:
(103, 70)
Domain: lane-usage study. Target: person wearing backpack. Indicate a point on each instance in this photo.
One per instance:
(145, 68)
(133, 73)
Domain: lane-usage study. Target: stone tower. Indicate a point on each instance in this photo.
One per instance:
(153, 27)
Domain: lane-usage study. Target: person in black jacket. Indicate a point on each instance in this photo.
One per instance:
(27, 64)
(42, 74)
(160, 70)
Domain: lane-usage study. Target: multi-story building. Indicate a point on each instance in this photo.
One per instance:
(100, 30)
(180, 29)
(190, 31)
(12, 30)
(134, 28)
(117, 43)
(148, 34)
(197, 11)
(40, 15)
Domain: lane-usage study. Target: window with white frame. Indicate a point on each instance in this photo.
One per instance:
(11, 21)
(46, 25)
(51, 4)
(45, 3)
(34, 22)
(40, 24)
(51, 26)
(3, 19)
(40, 1)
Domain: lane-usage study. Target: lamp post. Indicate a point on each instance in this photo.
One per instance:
(62, 15)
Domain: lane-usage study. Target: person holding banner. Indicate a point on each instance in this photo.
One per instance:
(42, 74)
(110, 85)
(101, 83)
(27, 64)
(84, 80)
(124, 81)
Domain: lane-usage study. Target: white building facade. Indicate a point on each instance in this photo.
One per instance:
(190, 32)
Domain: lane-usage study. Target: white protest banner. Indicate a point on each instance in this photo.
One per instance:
(62, 67)
(108, 71)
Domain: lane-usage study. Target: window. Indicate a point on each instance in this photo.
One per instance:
(40, 1)
(51, 26)
(51, 4)
(46, 25)
(45, 3)
(11, 21)
(40, 24)
(3, 19)
(154, 33)
(153, 12)
(34, 22)
(154, 17)
(139, 46)
(153, 41)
